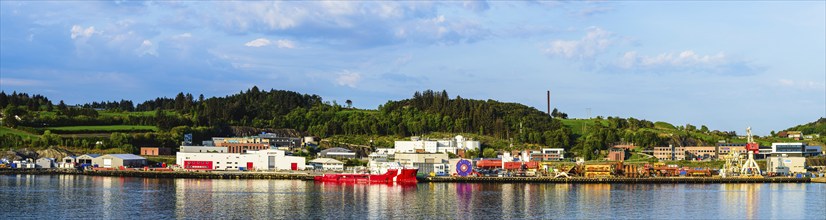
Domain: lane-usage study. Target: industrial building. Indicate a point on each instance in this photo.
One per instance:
(417, 145)
(155, 151)
(203, 149)
(69, 159)
(669, 153)
(255, 142)
(270, 159)
(45, 163)
(786, 164)
(409, 159)
(726, 148)
(243, 147)
(701, 153)
(795, 150)
(337, 152)
(327, 164)
(616, 154)
(119, 160)
(548, 154)
(86, 158)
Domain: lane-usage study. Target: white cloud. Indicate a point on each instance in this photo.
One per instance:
(352, 23)
(348, 78)
(147, 48)
(595, 41)
(285, 44)
(686, 58)
(263, 42)
(182, 36)
(802, 84)
(260, 42)
(78, 31)
(685, 61)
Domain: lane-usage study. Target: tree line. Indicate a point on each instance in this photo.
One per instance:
(427, 111)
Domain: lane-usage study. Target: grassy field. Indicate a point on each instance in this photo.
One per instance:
(169, 160)
(577, 125)
(7, 130)
(105, 128)
(124, 114)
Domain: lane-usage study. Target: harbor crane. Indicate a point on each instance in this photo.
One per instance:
(750, 168)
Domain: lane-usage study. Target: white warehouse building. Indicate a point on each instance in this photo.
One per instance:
(252, 160)
(415, 145)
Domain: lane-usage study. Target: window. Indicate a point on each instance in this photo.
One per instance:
(218, 162)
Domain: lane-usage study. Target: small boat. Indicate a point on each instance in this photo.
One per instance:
(383, 174)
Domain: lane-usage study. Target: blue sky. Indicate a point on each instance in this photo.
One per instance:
(727, 65)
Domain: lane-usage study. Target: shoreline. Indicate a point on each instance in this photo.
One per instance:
(161, 174)
(309, 177)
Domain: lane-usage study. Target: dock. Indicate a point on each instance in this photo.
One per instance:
(309, 177)
(165, 174)
(654, 180)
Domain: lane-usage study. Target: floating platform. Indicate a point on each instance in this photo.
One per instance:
(654, 180)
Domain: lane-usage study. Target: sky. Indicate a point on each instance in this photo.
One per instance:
(727, 65)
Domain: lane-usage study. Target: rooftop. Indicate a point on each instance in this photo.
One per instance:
(326, 160)
(128, 156)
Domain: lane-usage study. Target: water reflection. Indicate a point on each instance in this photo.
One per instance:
(125, 198)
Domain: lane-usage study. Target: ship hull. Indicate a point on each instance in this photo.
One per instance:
(391, 176)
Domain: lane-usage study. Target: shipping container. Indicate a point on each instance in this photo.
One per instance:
(488, 164)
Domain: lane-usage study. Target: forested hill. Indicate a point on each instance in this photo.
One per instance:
(162, 121)
(816, 127)
(431, 111)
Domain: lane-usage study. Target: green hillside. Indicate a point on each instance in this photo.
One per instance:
(498, 125)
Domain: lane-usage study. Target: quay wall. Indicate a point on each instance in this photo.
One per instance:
(162, 174)
(309, 176)
(656, 180)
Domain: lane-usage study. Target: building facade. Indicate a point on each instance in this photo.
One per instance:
(46, 162)
(616, 154)
(416, 145)
(203, 149)
(119, 160)
(701, 153)
(548, 154)
(337, 152)
(795, 150)
(327, 164)
(86, 158)
(409, 159)
(251, 160)
(155, 151)
(794, 164)
(669, 153)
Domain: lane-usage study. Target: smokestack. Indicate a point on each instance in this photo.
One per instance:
(549, 102)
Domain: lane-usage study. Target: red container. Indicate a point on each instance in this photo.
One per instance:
(489, 164)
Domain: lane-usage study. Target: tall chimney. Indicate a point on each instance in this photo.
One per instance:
(549, 102)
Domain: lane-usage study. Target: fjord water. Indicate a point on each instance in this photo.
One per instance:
(67, 196)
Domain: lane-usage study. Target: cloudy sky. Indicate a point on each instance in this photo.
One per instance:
(727, 65)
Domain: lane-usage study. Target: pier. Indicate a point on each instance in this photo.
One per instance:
(309, 177)
(163, 174)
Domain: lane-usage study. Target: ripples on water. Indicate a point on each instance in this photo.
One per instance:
(66, 196)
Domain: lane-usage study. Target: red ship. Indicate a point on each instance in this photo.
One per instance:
(397, 175)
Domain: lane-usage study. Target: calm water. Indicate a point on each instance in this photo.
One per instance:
(61, 197)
